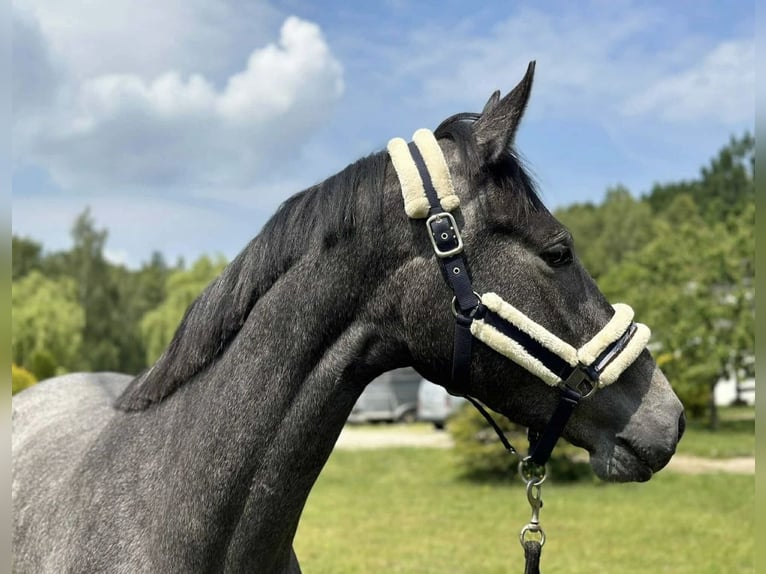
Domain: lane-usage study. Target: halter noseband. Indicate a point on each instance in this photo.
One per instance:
(428, 194)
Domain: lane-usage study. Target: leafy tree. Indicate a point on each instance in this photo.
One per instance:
(42, 364)
(693, 285)
(138, 293)
(183, 287)
(605, 234)
(46, 317)
(97, 294)
(26, 256)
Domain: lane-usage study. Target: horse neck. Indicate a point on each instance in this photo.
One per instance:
(266, 415)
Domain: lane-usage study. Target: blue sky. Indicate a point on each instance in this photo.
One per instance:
(184, 123)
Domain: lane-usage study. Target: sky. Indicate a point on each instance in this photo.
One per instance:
(183, 124)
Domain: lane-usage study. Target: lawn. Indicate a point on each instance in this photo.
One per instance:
(406, 510)
(735, 436)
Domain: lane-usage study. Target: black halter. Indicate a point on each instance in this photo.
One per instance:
(578, 381)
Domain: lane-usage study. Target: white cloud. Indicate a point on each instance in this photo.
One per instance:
(719, 88)
(148, 37)
(121, 131)
(610, 60)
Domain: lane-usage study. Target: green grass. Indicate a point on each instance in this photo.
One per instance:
(735, 436)
(405, 510)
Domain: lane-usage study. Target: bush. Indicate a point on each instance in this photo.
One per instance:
(42, 364)
(20, 379)
(481, 456)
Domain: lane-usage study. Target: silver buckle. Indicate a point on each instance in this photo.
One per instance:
(453, 228)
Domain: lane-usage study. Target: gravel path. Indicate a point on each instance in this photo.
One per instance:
(360, 438)
(367, 438)
(697, 465)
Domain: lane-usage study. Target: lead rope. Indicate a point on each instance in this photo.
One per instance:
(532, 535)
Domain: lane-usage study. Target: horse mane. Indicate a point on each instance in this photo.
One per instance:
(326, 213)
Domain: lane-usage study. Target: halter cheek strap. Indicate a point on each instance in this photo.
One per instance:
(428, 194)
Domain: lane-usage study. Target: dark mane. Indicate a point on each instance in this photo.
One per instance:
(319, 216)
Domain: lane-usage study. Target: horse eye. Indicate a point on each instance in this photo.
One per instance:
(558, 255)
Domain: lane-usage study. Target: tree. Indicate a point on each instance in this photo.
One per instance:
(138, 293)
(46, 318)
(96, 293)
(604, 235)
(183, 287)
(26, 256)
(693, 284)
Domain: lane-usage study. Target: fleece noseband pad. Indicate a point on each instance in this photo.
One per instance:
(495, 335)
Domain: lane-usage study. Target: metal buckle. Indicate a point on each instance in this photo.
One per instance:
(453, 228)
(581, 382)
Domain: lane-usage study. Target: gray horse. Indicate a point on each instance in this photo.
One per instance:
(204, 462)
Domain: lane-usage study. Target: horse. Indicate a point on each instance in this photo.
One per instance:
(203, 463)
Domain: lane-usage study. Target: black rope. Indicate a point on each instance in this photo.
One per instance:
(491, 421)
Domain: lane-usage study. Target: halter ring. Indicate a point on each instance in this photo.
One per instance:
(455, 312)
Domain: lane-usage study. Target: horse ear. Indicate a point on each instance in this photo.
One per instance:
(498, 123)
(491, 102)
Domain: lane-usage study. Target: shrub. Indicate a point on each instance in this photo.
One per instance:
(20, 379)
(481, 456)
(42, 364)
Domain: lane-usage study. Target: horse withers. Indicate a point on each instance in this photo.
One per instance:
(204, 462)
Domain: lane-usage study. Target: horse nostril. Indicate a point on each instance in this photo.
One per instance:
(681, 425)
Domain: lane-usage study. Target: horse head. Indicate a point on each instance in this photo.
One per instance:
(515, 248)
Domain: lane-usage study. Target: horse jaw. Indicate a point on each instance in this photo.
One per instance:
(648, 440)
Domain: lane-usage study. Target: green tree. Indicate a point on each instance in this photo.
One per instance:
(139, 291)
(693, 285)
(26, 256)
(183, 287)
(605, 234)
(43, 364)
(97, 294)
(46, 318)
